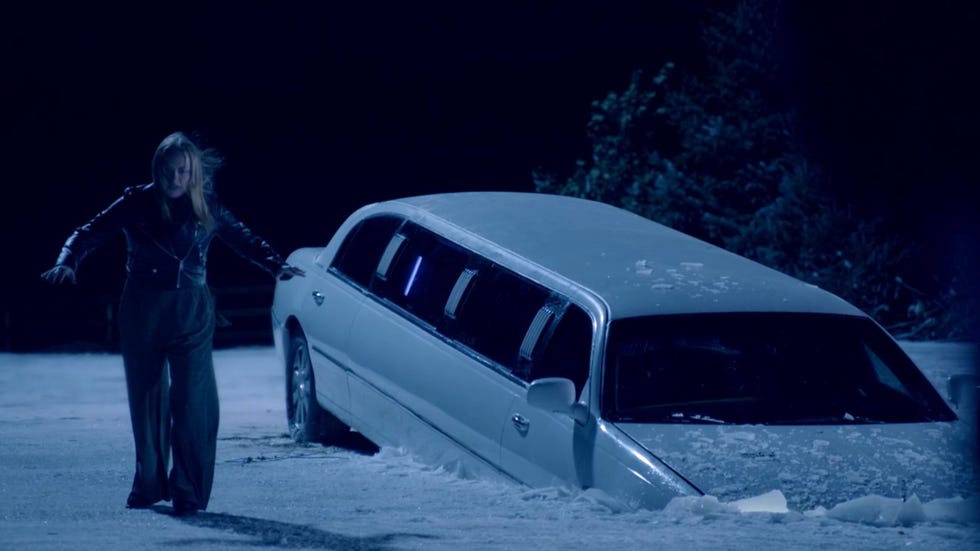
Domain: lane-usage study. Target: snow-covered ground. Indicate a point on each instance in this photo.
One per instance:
(66, 463)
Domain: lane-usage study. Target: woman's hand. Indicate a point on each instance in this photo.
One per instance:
(59, 274)
(287, 272)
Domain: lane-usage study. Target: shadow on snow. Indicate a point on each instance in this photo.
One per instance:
(271, 533)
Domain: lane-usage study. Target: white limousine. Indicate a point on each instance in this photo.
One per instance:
(564, 342)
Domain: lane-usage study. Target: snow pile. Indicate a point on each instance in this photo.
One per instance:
(883, 511)
(873, 509)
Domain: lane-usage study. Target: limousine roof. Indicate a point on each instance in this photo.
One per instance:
(637, 266)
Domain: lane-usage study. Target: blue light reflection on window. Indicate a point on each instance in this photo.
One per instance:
(411, 278)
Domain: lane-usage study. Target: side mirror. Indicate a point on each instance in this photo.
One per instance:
(557, 394)
(963, 389)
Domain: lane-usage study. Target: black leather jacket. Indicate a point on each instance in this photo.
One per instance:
(166, 254)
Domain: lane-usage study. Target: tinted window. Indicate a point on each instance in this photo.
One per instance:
(566, 352)
(491, 310)
(423, 274)
(495, 315)
(358, 255)
(763, 369)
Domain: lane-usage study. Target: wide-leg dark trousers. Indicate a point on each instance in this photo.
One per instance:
(175, 408)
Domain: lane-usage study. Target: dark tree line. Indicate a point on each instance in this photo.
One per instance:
(718, 152)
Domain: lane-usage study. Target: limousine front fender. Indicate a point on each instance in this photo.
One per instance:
(627, 471)
(287, 301)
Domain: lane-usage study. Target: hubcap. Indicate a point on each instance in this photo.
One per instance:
(300, 389)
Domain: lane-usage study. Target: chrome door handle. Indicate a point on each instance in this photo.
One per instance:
(520, 423)
(318, 297)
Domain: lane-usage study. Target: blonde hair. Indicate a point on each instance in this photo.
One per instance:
(203, 164)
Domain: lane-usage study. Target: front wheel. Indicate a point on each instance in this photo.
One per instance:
(308, 422)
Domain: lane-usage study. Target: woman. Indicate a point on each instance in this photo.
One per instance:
(166, 316)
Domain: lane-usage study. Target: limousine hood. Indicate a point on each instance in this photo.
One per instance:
(814, 466)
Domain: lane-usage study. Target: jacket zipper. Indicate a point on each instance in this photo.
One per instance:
(170, 251)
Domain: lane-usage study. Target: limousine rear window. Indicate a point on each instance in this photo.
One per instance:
(358, 255)
(762, 369)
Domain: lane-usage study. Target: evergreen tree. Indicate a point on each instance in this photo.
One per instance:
(716, 155)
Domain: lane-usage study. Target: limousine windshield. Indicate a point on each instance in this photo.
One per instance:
(762, 369)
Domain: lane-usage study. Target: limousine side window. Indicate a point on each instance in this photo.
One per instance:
(422, 274)
(567, 351)
(494, 317)
(358, 255)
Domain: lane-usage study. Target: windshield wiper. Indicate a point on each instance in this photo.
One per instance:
(695, 419)
(643, 414)
(846, 419)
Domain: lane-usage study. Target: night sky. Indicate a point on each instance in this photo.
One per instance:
(320, 107)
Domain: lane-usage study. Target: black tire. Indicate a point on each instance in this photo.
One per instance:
(308, 422)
